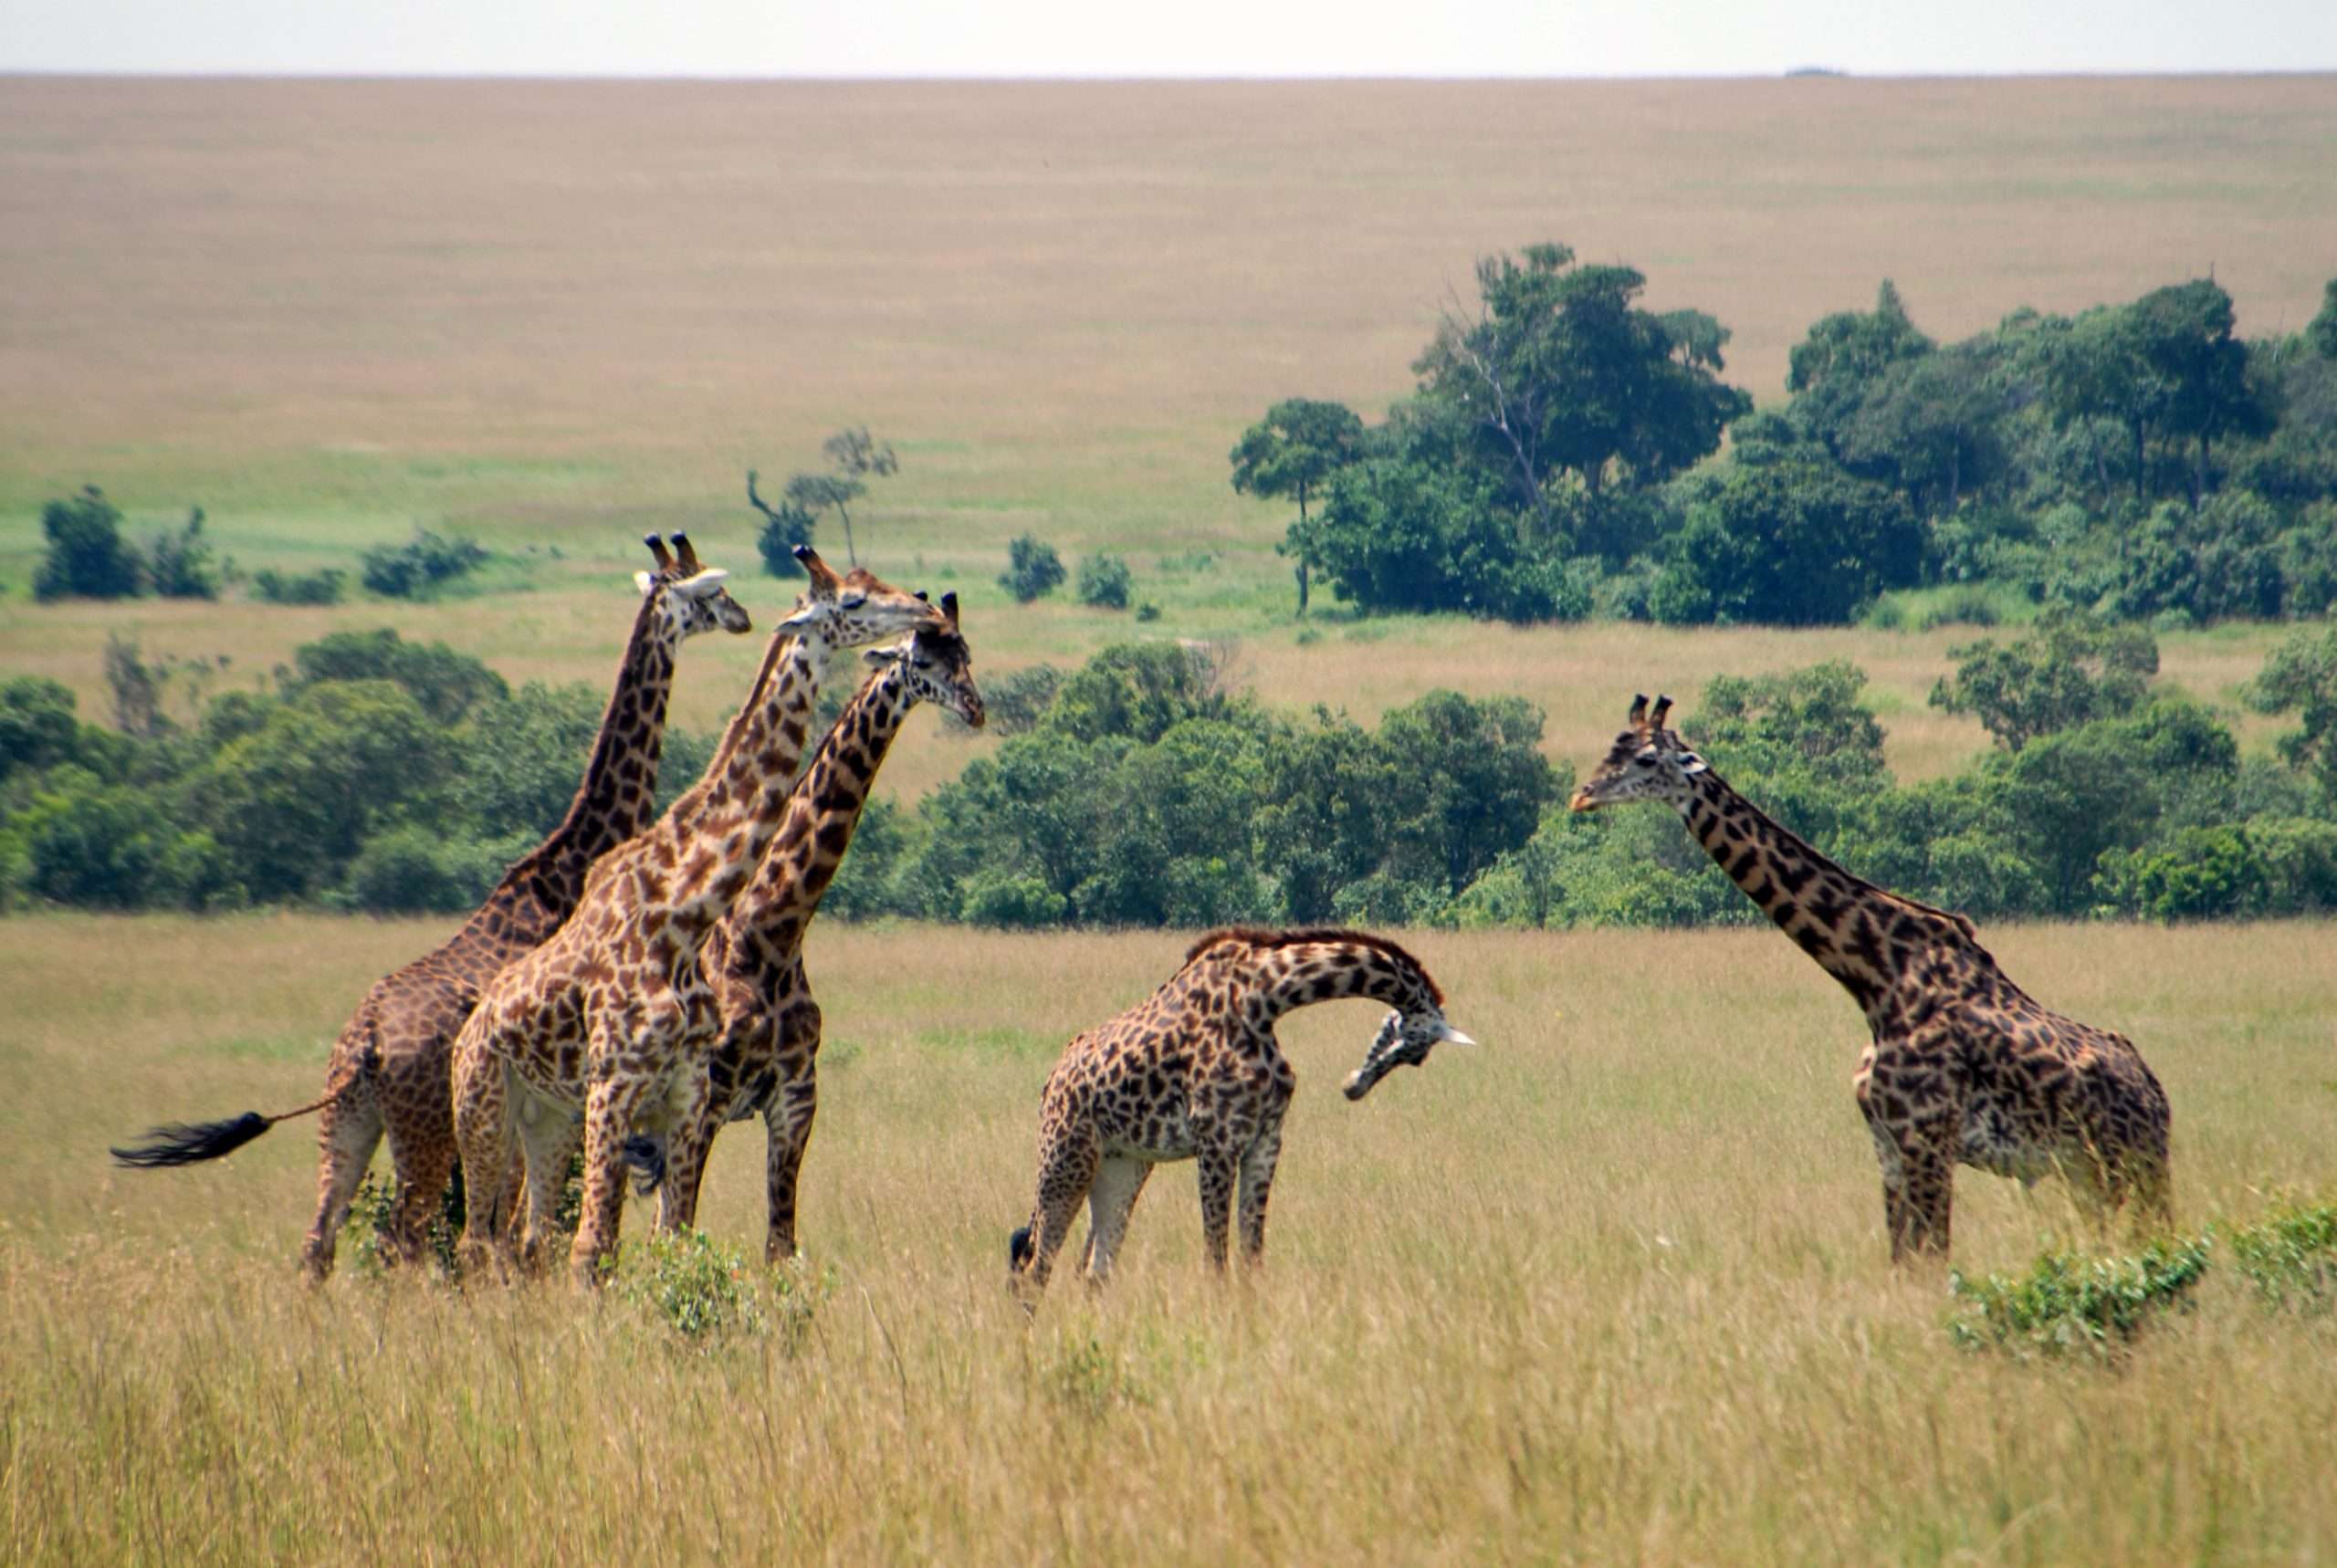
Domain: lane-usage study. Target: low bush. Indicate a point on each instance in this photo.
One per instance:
(2070, 1304)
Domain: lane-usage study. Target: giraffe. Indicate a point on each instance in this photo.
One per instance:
(1194, 1073)
(765, 1057)
(611, 1016)
(1964, 1066)
(388, 1068)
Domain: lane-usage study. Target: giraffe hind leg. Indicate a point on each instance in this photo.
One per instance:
(348, 1132)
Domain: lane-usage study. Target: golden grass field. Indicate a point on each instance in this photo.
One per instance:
(1613, 1287)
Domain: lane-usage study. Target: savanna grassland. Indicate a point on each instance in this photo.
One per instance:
(1611, 1287)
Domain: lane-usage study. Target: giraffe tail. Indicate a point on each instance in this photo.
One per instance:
(191, 1143)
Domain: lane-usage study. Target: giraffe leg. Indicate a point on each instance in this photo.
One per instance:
(1257, 1185)
(548, 1138)
(425, 1166)
(1066, 1171)
(487, 1144)
(685, 1172)
(789, 1121)
(1217, 1171)
(608, 1121)
(348, 1132)
(1931, 1192)
(1110, 1200)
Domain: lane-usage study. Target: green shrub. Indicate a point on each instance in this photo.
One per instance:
(178, 562)
(421, 567)
(2067, 1303)
(700, 1288)
(1017, 701)
(1103, 582)
(322, 586)
(2290, 1257)
(1033, 570)
(87, 557)
(1012, 903)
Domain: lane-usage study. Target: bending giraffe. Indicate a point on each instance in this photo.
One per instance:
(611, 1017)
(388, 1069)
(1964, 1067)
(765, 1059)
(1193, 1073)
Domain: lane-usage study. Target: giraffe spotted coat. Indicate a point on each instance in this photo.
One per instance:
(1963, 1066)
(1194, 1073)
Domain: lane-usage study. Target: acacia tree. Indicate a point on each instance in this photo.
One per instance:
(1292, 452)
(1560, 371)
(854, 457)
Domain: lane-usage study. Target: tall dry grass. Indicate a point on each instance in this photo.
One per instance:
(1611, 1287)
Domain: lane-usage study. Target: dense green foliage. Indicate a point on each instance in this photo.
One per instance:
(2068, 1304)
(2138, 462)
(421, 567)
(1033, 570)
(86, 558)
(1142, 788)
(1105, 581)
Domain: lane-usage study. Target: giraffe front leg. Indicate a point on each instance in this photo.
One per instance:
(1257, 1185)
(788, 1121)
(487, 1144)
(685, 1171)
(609, 1109)
(549, 1133)
(1218, 1169)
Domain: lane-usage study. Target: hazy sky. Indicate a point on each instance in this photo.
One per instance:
(1164, 37)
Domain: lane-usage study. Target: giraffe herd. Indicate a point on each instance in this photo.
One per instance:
(632, 985)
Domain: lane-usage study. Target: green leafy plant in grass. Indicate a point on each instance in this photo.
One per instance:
(2290, 1257)
(2067, 1303)
(322, 586)
(1091, 1380)
(699, 1287)
(368, 1225)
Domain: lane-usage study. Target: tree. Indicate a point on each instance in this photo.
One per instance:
(2187, 333)
(784, 528)
(2071, 671)
(1832, 370)
(178, 563)
(1103, 582)
(1928, 423)
(1033, 570)
(38, 727)
(447, 684)
(2323, 333)
(1561, 372)
(86, 558)
(1407, 534)
(2301, 677)
(1292, 452)
(1789, 544)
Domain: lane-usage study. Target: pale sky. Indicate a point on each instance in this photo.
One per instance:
(1163, 38)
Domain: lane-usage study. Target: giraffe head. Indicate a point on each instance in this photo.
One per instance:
(937, 666)
(1404, 1040)
(1647, 762)
(694, 599)
(855, 609)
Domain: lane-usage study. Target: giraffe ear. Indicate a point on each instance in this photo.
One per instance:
(884, 657)
(1450, 1036)
(704, 583)
(646, 583)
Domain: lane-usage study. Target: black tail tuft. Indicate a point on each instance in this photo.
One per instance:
(187, 1144)
(1019, 1251)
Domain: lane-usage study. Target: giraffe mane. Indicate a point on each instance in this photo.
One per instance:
(1264, 937)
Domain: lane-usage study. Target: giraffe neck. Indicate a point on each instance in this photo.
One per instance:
(700, 856)
(767, 925)
(1861, 933)
(1303, 973)
(615, 800)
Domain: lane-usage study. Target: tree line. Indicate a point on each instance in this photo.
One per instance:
(2137, 461)
(1147, 788)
